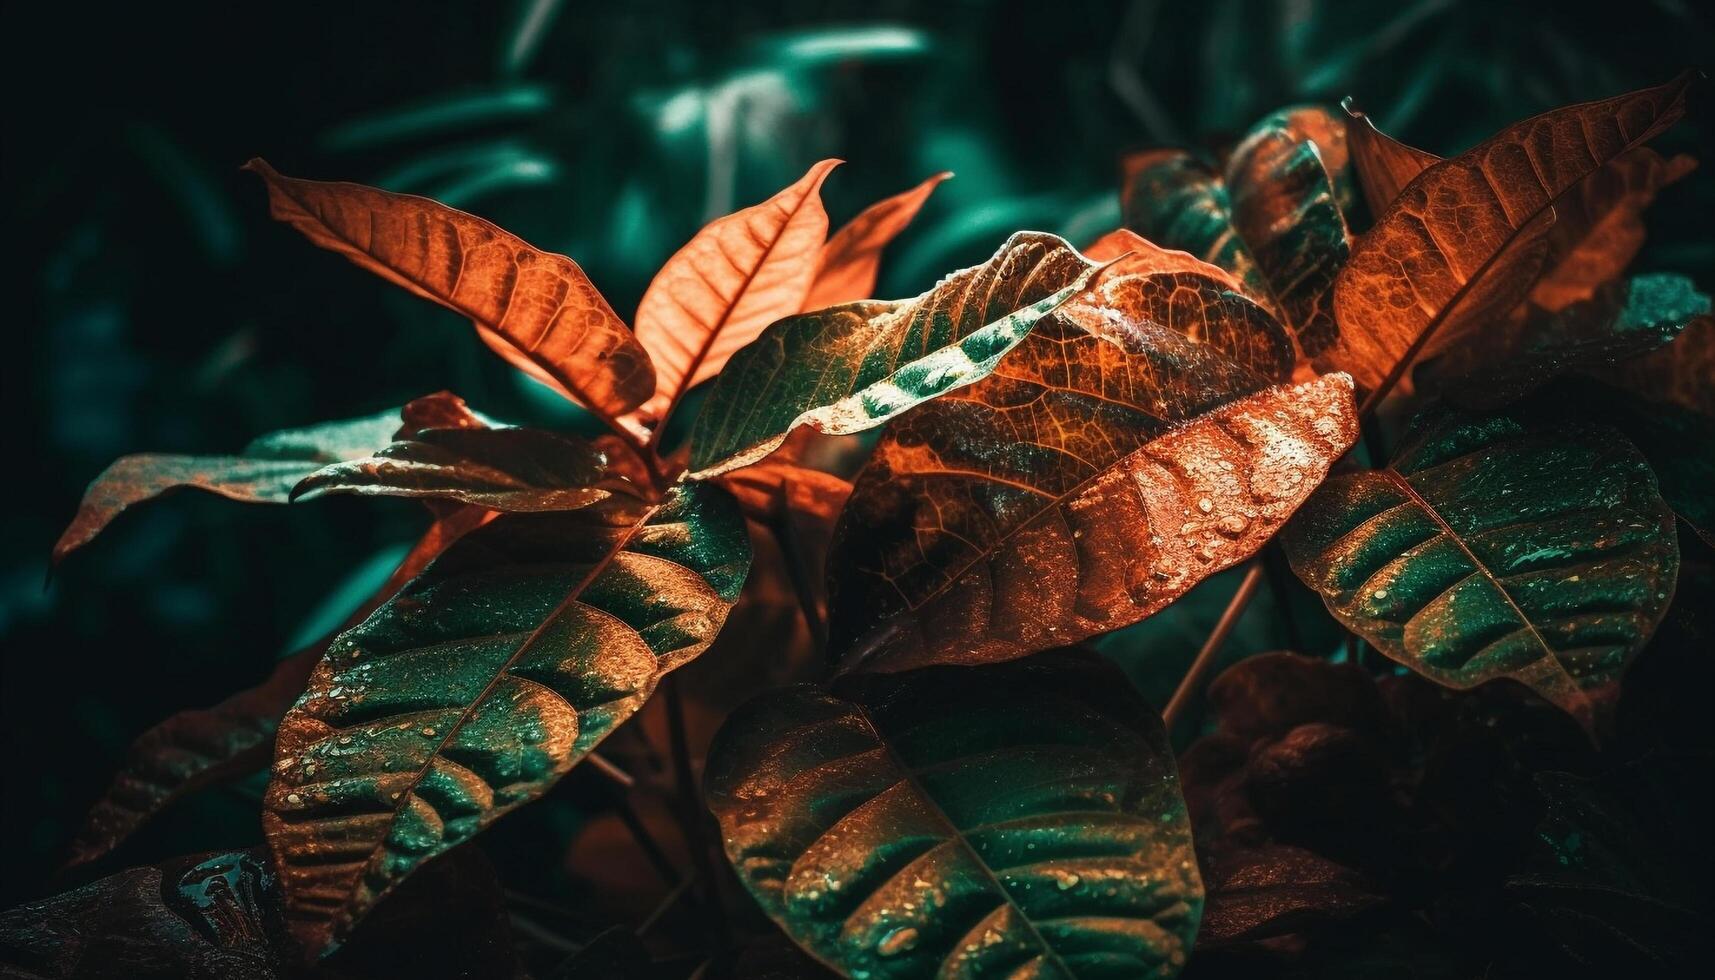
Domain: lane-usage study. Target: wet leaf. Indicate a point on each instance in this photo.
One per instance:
(536, 309)
(263, 472)
(1268, 695)
(1275, 890)
(732, 279)
(1465, 241)
(484, 681)
(853, 367)
(1019, 819)
(1049, 506)
(1678, 374)
(1384, 164)
(1489, 550)
(852, 256)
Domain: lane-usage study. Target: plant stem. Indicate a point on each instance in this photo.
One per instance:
(646, 842)
(691, 813)
(802, 583)
(1212, 646)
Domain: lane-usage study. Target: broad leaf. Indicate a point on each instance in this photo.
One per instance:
(1020, 819)
(1050, 506)
(1272, 217)
(503, 469)
(1677, 374)
(1466, 240)
(733, 278)
(1489, 550)
(263, 472)
(536, 309)
(853, 367)
(1384, 164)
(852, 257)
(484, 681)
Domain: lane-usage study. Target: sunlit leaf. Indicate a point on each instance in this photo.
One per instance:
(1019, 819)
(486, 679)
(735, 277)
(852, 256)
(853, 367)
(1489, 550)
(1384, 164)
(536, 309)
(1050, 505)
(1466, 240)
(263, 472)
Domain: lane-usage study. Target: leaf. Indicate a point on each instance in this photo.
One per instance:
(203, 747)
(1677, 374)
(1622, 320)
(1487, 550)
(1134, 254)
(1020, 819)
(263, 472)
(1031, 513)
(803, 503)
(852, 257)
(536, 309)
(851, 368)
(1384, 164)
(1467, 238)
(732, 279)
(1275, 890)
(504, 469)
(486, 679)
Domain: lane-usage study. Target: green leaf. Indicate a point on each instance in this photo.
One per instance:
(853, 367)
(502, 469)
(264, 472)
(1020, 819)
(485, 680)
(1489, 550)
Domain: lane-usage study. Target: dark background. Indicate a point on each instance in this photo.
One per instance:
(153, 306)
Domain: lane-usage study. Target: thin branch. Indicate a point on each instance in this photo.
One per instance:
(1212, 646)
(691, 812)
(667, 902)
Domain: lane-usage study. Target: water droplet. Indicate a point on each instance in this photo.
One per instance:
(1205, 505)
(897, 941)
(1065, 880)
(1233, 525)
(1380, 593)
(428, 731)
(294, 798)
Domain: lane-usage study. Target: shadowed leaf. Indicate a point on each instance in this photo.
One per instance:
(1599, 229)
(486, 679)
(803, 503)
(1274, 890)
(853, 367)
(852, 256)
(1678, 374)
(1384, 164)
(536, 309)
(1020, 819)
(1488, 550)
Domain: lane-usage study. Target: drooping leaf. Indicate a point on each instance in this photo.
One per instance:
(441, 410)
(803, 504)
(206, 746)
(853, 367)
(1032, 513)
(263, 472)
(1624, 319)
(1019, 819)
(732, 279)
(1384, 164)
(1678, 374)
(484, 681)
(536, 309)
(1489, 550)
(852, 256)
(504, 469)
(1466, 240)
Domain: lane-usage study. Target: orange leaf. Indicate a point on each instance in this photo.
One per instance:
(851, 258)
(1147, 258)
(735, 277)
(536, 309)
(1385, 165)
(1600, 229)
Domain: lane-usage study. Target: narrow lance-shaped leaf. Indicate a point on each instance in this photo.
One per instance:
(852, 256)
(1384, 164)
(263, 472)
(851, 368)
(536, 309)
(1465, 241)
(1014, 820)
(733, 278)
(484, 681)
(1489, 550)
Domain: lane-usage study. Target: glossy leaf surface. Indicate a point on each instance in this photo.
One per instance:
(484, 681)
(1488, 550)
(1020, 819)
(1466, 240)
(263, 472)
(982, 530)
(852, 256)
(536, 309)
(854, 367)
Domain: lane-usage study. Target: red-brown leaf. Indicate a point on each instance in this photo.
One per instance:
(852, 256)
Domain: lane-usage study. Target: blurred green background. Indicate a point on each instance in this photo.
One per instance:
(157, 308)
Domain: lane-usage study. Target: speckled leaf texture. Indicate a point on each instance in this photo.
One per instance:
(1491, 550)
(1273, 217)
(484, 681)
(1048, 506)
(536, 309)
(853, 367)
(1468, 237)
(1383, 164)
(1015, 820)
